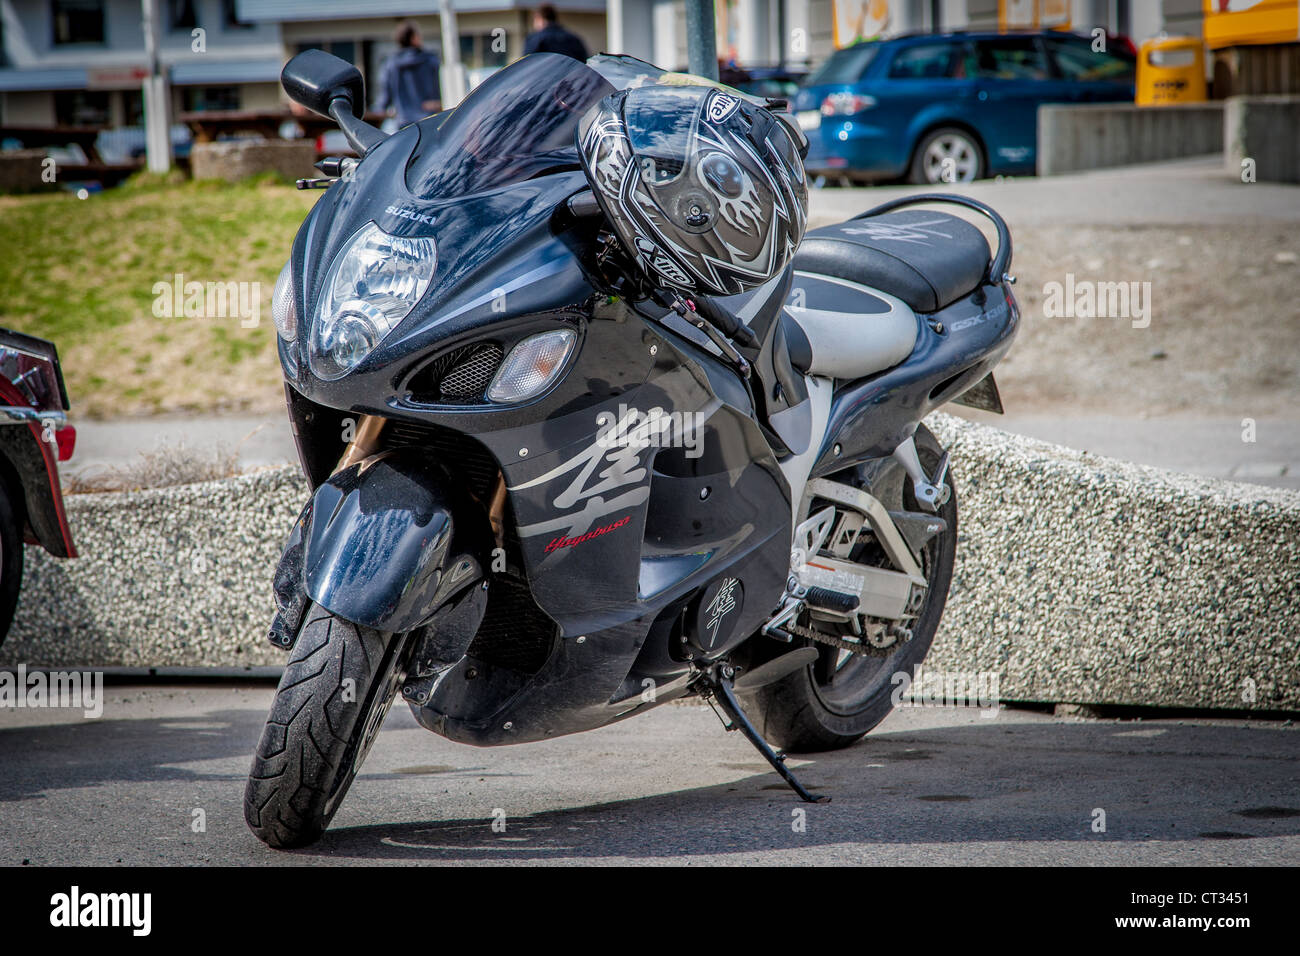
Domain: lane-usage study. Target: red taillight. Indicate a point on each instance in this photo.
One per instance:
(320, 143)
(846, 104)
(66, 439)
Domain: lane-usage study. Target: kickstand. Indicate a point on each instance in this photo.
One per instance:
(720, 685)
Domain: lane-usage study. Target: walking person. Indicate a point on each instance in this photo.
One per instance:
(409, 87)
(553, 38)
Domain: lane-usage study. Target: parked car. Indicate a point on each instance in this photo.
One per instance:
(774, 82)
(951, 107)
(34, 437)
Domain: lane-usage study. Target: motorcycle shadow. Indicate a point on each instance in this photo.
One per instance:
(1019, 778)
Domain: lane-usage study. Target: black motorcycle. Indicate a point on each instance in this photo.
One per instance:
(548, 495)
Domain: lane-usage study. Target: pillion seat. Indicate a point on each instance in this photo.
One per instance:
(927, 259)
(859, 284)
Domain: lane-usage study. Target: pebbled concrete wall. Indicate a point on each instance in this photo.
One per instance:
(1079, 579)
(1085, 579)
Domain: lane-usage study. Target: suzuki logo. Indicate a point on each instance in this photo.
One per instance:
(410, 214)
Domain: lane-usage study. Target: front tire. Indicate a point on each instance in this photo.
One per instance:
(11, 561)
(836, 700)
(338, 685)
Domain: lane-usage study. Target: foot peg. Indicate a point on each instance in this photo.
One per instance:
(718, 680)
(827, 600)
(931, 494)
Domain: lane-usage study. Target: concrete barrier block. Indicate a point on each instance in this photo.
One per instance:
(1085, 579)
(1261, 135)
(20, 171)
(1097, 136)
(1079, 579)
(239, 159)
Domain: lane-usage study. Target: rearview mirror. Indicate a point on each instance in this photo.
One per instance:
(315, 79)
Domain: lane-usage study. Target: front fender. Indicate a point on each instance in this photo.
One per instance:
(378, 544)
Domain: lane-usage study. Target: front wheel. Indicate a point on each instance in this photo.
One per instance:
(843, 694)
(336, 689)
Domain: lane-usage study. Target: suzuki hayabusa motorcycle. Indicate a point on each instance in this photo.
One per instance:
(591, 425)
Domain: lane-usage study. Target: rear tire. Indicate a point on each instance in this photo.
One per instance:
(11, 561)
(320, 727)
(798, 713)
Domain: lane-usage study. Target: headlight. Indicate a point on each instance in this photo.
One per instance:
(282, 307)
(375, 281)
(531, 366)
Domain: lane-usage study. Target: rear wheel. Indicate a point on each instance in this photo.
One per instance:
(947, 155)
(11, 561)
(840, 697)
(336, 689)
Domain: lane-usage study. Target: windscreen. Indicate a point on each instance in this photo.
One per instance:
(520, 123)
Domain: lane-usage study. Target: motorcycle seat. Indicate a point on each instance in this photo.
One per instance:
(927, 259)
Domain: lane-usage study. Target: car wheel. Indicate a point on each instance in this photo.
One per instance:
(947, 155)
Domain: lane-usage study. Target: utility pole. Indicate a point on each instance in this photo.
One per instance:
(453, 76)
(157, 108)
(701, 38)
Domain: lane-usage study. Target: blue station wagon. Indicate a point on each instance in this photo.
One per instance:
(951, 107)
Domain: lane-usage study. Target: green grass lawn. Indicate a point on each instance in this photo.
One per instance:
(83, 272)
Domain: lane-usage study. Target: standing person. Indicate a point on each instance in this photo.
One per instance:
(553, 38)
(409, 87)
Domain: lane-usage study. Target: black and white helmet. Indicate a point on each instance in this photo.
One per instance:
(705, 189)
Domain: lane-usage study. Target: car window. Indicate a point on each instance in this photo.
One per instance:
(1007, 58)
(925, 61)
(1076, 60)
(845, 66)
(777, 89)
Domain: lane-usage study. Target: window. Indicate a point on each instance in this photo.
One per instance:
(182, 15)
(78, 21)
(845, 66)
(199, 99)
(929, 61)
(1009, 58)
(343, 49)
(1076, 60)
(133, 107)
(81, 108)
(230, 17)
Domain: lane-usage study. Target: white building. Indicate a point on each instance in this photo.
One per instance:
(80, 62)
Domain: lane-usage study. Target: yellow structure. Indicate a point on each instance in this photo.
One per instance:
(1251, 22)
(1171, 70)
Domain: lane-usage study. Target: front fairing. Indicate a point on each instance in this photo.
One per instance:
(483, 181)
(498, 257)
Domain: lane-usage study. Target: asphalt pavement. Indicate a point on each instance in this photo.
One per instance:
(930, 786)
